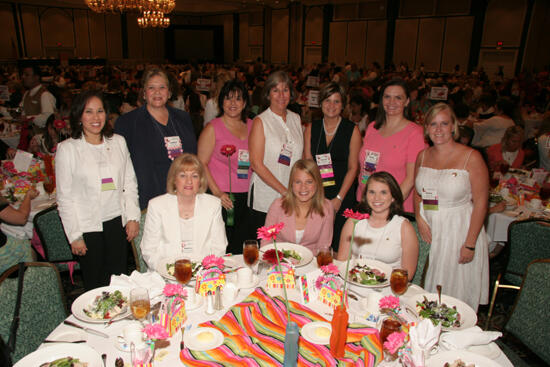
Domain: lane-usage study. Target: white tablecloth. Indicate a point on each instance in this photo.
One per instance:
(37, 205)
(195, 317)
(497, 224)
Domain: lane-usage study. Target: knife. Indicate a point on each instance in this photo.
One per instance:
(64, 341)
(86, 329)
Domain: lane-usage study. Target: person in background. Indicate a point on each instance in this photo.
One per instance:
(184, 222)
(232, 127)
(451, 198)
(156, 134)
(308, 216)
(392, 142)
(211, 110)
(97, 193)
(489, 132)
(46, 142)
(359, 112)
(275, 144)
(334, 143)
(37, 102)
(386, 236)
(508, 151)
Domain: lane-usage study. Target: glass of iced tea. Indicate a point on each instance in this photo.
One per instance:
(49, 185)
(399, 281)
(251, 252)
(183, 270)
(139, 303)
(324, 256)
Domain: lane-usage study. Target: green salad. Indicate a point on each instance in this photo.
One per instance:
(448, 316)
(366, 275)
(291, 254)
(65, 362)
(106, 305)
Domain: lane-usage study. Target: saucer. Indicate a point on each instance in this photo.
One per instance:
(308, 332)
(192, 342)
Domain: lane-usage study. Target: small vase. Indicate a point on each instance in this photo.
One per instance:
(339, 333)
(291, 345)
(230, 222)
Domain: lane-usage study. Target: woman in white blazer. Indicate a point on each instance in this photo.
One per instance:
(96, 192)
(185, 222)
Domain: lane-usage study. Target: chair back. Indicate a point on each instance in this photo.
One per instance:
(42, 306)
(527, 240)
(50, 230)
(529, 319)
(423, 252)
(141, 266)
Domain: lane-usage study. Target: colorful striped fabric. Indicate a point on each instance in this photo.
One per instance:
(254, 332)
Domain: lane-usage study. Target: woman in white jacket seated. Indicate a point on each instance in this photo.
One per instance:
(185, 222)
(97, 193)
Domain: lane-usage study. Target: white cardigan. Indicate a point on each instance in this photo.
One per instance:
(79, 185)
(162, 237)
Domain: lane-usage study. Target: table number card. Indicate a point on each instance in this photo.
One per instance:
(306, 283)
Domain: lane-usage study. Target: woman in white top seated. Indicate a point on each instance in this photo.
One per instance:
(184, 222)
(386, 236)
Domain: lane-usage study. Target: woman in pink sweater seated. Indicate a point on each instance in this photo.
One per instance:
(307, 215)
(508, 152)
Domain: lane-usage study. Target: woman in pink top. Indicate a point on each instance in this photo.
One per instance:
(231, 128)
(308, 216)
(392, 143)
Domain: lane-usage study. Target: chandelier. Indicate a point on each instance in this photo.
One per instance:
(152, 18)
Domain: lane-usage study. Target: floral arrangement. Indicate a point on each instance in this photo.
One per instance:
(330, 274)
(59, 125)
(228, 150)
(213, 261)
(389, 304)
(355, 217)
(155, 332)
(396, 341)
(271, 257)
(174, 290)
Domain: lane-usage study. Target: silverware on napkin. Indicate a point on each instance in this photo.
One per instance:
(86, 329)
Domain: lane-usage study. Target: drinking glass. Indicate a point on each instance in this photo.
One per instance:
(324, 256)
(399, 281)
(49, 186)
(545, 191)
(251, 252)
(139, 303)
(183, 270)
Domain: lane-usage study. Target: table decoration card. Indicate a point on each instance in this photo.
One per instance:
(172, 313)
(329, 286)
(22, 161)
(275, 280)
(306, 285)
(211, 276)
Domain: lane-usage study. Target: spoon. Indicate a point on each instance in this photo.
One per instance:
(104, 358)
(439, 294)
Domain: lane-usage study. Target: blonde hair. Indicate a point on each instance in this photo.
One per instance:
(289, 200)
(433, 111)
(185, 162)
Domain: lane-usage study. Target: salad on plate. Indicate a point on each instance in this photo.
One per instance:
(106, 305)
(65, 362)
(364, 274)
(449, 317)
(287, 255)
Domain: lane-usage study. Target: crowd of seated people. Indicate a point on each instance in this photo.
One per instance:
(213, 166)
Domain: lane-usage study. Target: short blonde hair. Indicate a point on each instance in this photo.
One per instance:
(433, 111)
(185, 162)
(317, 202)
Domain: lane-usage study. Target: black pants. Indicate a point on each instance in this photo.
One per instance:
(237, 233)
(106, 255)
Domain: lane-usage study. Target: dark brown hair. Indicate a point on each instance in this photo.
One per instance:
(77, 109)
(396, 206)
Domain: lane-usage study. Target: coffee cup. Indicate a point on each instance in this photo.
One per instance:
(133, 333)
(373, 299)
(229, 294)
(244, 277)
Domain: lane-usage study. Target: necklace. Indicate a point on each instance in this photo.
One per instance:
(333, 131)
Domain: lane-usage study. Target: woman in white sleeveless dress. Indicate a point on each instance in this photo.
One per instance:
(450, 205)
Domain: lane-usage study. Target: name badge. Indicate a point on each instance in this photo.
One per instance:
(324, 161)
(173, 147)
(286, 154)
(107, 184)
(429, 199)
(369, 166)
(243, 164)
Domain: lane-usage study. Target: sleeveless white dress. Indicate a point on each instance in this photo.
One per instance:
(449, 226)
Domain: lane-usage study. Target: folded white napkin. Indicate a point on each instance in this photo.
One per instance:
(150, 280)
(423, 337)
(462, 339)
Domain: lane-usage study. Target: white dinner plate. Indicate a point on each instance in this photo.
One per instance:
(375, 264)
(87, 298)
(468, 317)
(440, 359)
(164, 272)
(308, 332)
(191, 341)
(304, 252)
(44, 355)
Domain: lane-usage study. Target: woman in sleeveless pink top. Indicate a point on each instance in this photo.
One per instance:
(229, 130)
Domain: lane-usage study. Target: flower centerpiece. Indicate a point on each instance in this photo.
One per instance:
(292, 331)
(172, 313)
(211, 276)
(228, 150)
(329, 284)
(157, 334)
(396, 343)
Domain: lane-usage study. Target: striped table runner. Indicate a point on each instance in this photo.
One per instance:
(254, 332)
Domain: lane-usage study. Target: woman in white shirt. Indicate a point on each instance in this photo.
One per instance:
(96, 192)
(185, 222)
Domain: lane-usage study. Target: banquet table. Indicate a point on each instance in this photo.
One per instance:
(170, 355)
(26, 231)
(497, 224)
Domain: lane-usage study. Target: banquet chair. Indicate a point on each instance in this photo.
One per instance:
(42, 305)
(528, 321)
(49, 228)
(422, 264)
(528, 240)
(141, 266)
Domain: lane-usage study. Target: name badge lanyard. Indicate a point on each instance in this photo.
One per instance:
(173, 144)
(107, 182)
(371, 161)
(324, 161)
(243, 164)
(286, 151)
